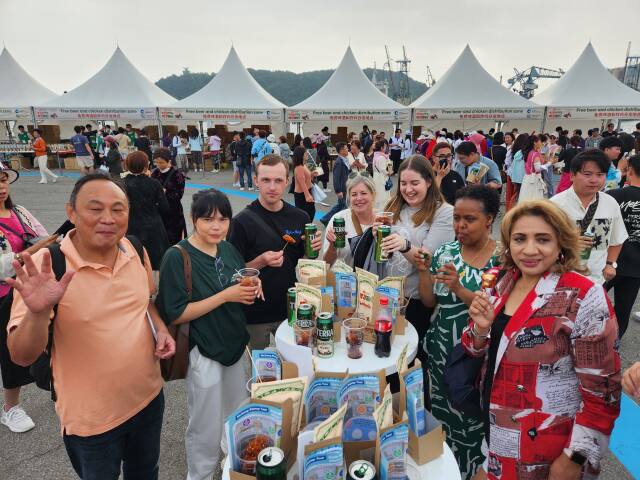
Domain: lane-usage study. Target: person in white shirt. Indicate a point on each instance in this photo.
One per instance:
(357, 162)
(396, 145)
(595, 212)
(407, 146)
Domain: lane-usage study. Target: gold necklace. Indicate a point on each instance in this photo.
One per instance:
(474, 258)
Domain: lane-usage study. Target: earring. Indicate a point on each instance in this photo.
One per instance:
(561, 258)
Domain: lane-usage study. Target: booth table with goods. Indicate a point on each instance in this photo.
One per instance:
(320, 406)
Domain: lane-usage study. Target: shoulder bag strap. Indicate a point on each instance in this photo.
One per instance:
(266, 225)
(186, 260)
(137, 245)
(356, 223)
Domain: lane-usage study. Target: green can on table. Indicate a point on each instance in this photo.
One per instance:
(271, 465)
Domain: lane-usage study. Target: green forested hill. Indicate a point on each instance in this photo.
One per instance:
(288, 87)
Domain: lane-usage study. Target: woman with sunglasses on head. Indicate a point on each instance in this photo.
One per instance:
(549, 339)
(358, 217)
(216, 379)
(17, 228)
(475, 209)
(302, 178)
(421, 219)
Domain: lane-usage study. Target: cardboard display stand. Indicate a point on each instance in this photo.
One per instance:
(429, 446)
(365, 450)
(288, 443)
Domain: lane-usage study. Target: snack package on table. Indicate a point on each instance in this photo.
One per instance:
(307, 269)
(414, 382)
(383, 414)
(266, 366)
(362, 393)
(394, 444)
(332, 427)
(396, 283)
(326, 462)
(321, 398)
(279, 391)
(328, 291)
(249, 430)
(341, 266)
(346, 290)
(311, 295)
(366, 286)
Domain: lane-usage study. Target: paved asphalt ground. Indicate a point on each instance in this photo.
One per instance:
(40, 454)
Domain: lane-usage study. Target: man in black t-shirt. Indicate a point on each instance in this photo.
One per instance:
(448, 180)
(257, 232)
(626, 283)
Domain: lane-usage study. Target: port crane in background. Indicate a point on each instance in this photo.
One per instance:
(524, 82)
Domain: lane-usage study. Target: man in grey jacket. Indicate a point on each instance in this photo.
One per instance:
(340, 177)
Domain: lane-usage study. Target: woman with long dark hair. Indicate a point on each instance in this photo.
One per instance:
(421, 219)
(303, 181)
(323, 159)
(172, 181)
(17, 230)
(533, 186)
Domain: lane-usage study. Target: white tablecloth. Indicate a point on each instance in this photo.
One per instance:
(340, 362)
(443, 467)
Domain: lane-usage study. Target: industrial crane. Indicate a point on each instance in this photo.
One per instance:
(525, 80)
(388, 67)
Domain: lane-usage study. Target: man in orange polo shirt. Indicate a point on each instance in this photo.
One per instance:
(40, 151)
(104, 358)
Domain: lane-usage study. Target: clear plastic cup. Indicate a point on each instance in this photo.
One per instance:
(303, 335)
(384, 217)
(354, 335)
(247, 276)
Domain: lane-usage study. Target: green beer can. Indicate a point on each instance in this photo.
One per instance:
(324, 335)
(271, 465)
(310, 230)
(339, 230)
(383, 232)
(291, 306)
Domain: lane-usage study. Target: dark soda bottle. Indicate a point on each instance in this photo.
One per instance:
(383, 327)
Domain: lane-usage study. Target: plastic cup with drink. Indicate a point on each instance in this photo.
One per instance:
(354, 335)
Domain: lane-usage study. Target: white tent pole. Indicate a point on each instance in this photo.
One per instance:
(411, 124)
(284, 122)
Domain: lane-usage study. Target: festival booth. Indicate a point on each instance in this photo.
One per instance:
(232, 101)
(346, 102)
(118, 93)
(588, 96)
(18, 92)
(468, 98)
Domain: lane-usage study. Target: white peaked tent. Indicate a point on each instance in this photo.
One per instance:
(468, 94)
(19, 91)
(589, 91)
(231, 95)
(348, 96)
(118, 91)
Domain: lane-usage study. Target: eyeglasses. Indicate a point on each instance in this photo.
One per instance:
(444, 157)
(222, 278)
(355, 173)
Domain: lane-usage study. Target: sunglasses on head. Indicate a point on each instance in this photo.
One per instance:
(355, 173)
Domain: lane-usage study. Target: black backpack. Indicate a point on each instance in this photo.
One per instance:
(41, 368)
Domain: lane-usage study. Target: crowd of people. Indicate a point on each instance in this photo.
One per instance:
(539, 344)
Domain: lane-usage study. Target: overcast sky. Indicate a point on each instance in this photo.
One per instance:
(63, 42)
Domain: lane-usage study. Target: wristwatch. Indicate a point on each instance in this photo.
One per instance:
(407, 247)
(612, 264)
(576, 457)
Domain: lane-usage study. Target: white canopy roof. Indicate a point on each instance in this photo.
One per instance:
(232, 87)
(18, 90)
(588, 83)
(117, 90)
(468, 87)
(349, 91)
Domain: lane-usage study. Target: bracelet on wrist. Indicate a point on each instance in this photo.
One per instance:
(478, 335)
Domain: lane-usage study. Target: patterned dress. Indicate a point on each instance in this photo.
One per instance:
(464, 434)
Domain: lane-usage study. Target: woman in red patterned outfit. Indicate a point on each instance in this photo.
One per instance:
(551, 387)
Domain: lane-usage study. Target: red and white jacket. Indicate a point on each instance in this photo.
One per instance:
(556, 380)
